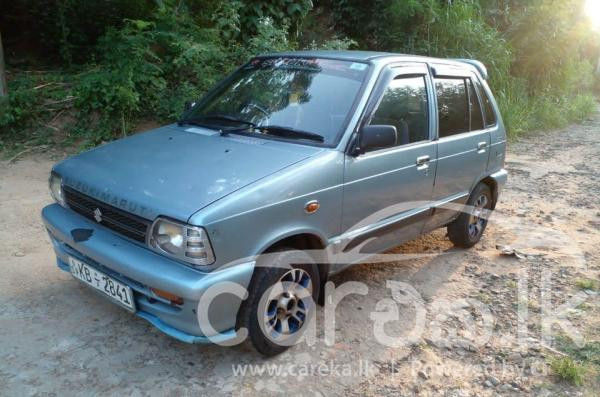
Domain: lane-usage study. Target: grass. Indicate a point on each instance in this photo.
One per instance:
(588, 354)
(588, 284)
(581, 364)
(511, 284)
(484, 298)
(523, 113)
(584, 306)
(566, 369)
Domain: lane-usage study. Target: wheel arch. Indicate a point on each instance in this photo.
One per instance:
(304, 240)
(493, 185)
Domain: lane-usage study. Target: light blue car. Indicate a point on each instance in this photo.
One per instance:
(294, 167)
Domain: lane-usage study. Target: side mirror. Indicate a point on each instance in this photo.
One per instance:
(188, 105)
(374, 137)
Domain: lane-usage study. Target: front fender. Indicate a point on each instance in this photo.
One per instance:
(276, 236)
(252, 219)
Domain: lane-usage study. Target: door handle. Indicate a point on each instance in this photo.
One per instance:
(481, 147)
(422, 162)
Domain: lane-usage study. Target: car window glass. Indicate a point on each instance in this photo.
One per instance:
(488, 108)
(404, 105)
(306, 94)
(475, 107)
(453, 106)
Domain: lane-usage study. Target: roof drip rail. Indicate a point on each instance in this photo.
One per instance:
(478, 65)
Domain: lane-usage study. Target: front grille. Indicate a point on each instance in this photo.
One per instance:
(113, 218)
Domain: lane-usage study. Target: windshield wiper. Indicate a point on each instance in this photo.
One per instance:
(279, 130)
(198, 120)
(290, 132)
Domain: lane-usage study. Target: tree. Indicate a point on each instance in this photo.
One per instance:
(3, 89)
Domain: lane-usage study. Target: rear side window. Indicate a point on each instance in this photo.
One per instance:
(453, 106)
(488, 108)
(404, 105)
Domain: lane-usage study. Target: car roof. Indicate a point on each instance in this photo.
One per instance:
(379, 56)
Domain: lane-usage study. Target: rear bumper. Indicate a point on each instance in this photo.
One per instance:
(500, 178)
(141, 269)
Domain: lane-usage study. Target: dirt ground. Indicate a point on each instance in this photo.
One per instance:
(57, 337)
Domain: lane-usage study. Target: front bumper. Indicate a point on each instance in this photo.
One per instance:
(141, 269)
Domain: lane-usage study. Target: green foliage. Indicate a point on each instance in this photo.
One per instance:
(567, 370)
(14, 109)
(539, 53)
(24, 103)
(333, 44)
(281, 12)
(581, 359)
(66, 30)
(587, 354)
(150, 68)
(588, 284)
(549, 38)
(142, 59)
(33, 99)
(269, 38)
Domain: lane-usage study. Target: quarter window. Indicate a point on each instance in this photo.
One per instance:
(453, 106)
(476, 114)
(488, 108)
(404, 105)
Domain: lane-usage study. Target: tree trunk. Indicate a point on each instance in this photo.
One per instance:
(3, 88)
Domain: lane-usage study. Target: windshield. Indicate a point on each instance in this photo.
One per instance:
(307, 98)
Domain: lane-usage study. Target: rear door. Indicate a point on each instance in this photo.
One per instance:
(387, 191)
(463, 142)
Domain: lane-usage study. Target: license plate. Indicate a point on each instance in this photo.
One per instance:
(117, 291)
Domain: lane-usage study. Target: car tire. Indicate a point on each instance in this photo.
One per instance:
(281, 300)
(466, 230)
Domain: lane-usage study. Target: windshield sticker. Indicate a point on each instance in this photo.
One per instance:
(351, 70)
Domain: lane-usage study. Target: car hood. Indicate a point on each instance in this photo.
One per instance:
(175, 171)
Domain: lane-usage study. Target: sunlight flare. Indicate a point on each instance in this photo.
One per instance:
(592, 10)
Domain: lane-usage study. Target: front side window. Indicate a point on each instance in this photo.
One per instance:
(453, 106)
(404, 105)
(303, 99)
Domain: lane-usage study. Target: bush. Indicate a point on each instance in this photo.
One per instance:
(147, 69)
(14, 109)
(142, 59)
(32, 98)
(588, 284)
(150, 68)
(567, 370)
(65, 31)
(539, 54)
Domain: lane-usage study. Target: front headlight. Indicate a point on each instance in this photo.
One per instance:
(56, 189)
(185, 242)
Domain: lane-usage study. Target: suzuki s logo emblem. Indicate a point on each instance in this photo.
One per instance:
(98, 215)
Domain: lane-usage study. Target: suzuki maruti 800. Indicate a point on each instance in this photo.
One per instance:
(294, 167)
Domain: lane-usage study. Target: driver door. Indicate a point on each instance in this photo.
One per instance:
(387, 191)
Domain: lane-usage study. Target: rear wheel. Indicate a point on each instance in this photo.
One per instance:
(466, 230)
(281, 300)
